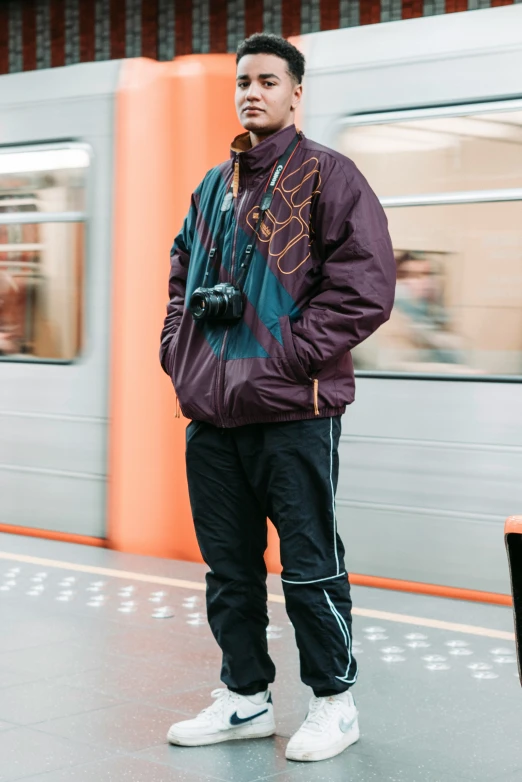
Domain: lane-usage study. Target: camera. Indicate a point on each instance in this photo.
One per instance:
(223, 303)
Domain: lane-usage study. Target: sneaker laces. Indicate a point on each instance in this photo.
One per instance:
(222, 697)
(320, 713)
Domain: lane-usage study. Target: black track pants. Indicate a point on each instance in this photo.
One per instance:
(288, 472)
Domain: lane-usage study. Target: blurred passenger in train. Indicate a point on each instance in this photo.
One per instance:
(11, 310)
(418, 335)
(283, 265)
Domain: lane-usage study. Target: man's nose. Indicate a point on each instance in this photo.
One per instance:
(253, 92)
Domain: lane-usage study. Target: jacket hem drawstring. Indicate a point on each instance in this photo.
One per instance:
(316, 396)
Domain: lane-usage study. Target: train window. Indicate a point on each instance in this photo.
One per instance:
(458, 305)
(422, 153)
(42, 239)
(450, 181)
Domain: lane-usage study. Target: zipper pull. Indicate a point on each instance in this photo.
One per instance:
(316, 396)
(235, 186)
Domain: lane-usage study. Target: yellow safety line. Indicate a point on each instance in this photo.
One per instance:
(369, 613)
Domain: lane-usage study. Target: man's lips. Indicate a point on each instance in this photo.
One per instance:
(252, 110)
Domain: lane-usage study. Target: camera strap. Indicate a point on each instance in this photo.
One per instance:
(266, 202)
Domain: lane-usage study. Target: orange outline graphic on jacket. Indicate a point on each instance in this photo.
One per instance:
(291, 203)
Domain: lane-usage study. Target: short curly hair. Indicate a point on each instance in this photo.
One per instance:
(266, 43)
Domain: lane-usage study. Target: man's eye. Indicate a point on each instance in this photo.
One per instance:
(269, 84)
(242, 84)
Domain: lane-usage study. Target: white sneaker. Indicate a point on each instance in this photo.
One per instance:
(330, 726)
(231, 716)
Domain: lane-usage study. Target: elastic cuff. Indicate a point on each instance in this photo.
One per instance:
(328, 693)
(253, 689)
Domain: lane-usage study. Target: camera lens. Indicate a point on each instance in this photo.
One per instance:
(199, 306)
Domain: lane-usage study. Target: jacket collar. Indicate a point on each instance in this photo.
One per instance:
(260, 159)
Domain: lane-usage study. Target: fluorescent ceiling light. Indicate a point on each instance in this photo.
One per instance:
(43, 160)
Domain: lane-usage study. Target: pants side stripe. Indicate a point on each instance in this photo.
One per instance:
(317, 580)
(347, 639)
(333, 498)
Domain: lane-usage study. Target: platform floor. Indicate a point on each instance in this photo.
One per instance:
(90, 679)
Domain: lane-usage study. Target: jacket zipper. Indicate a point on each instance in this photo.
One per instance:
(220, 384)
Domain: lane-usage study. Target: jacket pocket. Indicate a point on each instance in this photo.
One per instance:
(292, 359)
(168, 361)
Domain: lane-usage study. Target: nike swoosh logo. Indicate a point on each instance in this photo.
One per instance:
(235, 720)
(345, 724)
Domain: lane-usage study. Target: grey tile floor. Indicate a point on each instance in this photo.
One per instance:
(90, 681)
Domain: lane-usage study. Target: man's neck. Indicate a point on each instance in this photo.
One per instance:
(257, 138)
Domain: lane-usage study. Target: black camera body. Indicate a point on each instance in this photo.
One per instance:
(221, 304)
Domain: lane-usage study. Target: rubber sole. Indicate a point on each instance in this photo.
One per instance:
(348, 739)
(233, 734)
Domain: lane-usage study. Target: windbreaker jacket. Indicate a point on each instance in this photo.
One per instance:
(322, 279)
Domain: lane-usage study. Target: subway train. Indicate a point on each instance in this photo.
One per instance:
(97, 163)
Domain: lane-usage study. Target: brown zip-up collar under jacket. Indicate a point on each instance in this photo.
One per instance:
(322, 279)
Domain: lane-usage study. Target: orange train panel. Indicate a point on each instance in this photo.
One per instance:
(47, 534)
(513, 538)
(173, 122)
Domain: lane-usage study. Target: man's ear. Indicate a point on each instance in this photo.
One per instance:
(298, 94)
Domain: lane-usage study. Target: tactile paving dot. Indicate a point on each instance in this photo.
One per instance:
(484, 675)
(437, 667)
(458, 652)
(376, 637)
(165, 612)
(502, 651)
(393, 658)
(373, 630)
(504, 660)
(480, 666)
(392, 650)
(434, 658)
(418, 645)
(416, 637)
(456, 644)
(196, 619)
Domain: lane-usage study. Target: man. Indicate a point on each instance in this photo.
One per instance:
(262, 367)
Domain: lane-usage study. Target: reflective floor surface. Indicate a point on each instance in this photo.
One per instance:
(95, 667)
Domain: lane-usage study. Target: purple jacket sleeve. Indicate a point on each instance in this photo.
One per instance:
(357, 287)
(179, 263)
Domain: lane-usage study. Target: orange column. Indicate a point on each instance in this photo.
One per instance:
(173, 122)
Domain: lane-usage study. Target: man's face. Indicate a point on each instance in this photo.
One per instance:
(418, 277)
(266, 94)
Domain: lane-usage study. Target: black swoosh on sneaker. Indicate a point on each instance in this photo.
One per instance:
(235, 720)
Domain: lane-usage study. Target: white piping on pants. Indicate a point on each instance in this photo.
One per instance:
(333, 497)
(317, 580)
(347, 639)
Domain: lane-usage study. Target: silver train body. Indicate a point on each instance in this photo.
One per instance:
(431, 462)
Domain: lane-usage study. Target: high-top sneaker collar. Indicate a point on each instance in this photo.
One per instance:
(259, 159)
